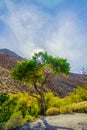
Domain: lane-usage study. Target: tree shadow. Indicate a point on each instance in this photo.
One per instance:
(50, 127)
(44, 125)
(41, 125)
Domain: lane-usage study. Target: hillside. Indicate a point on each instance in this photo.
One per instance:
(64, 85)
(11, 53)
(7, 84)
(8, 59)
(60, 85)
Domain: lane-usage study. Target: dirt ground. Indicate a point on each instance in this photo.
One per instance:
(75, 121)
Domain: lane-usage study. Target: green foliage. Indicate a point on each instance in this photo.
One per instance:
(2, 124)
(59, 65)
(24, 103)
(7, 107)
(28, 71)
(16, 120)
(17, 109)
(32, 71)
(29, 118)
(3, 98)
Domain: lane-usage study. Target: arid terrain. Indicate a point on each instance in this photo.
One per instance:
(74, 121)
(60, 85)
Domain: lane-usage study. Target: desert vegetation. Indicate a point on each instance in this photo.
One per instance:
(38, 73)
(17, 109)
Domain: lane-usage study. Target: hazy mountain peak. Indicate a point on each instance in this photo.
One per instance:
(8, 59)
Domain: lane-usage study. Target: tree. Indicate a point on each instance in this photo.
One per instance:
(38, 70)
(84, 71)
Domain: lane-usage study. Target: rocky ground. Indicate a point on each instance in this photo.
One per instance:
(75, 121)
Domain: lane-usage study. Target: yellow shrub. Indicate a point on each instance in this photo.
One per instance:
(75, 107)
(66, 109)
(52, 111)
(80, 107)
(29, 118)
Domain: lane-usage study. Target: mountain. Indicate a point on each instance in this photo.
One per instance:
(11, 53)
(60, 85)
(8, 59)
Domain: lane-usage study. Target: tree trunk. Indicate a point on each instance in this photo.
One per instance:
(43, 104)
(40, 91)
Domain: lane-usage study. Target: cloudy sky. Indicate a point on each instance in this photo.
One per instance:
(56, 26)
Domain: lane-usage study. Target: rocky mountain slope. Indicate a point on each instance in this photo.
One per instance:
(8, 59)
(64, 85)
(7, 84)
(60, 85)
(11, 53)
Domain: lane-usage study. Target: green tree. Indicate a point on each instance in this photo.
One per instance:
(38, 71)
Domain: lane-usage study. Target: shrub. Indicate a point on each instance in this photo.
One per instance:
(52, 111)
(79, 95)
(15, 121)
(80, 107)
(52, 100)
(74, 107)
(3, 98)
(66, 109)
(29, 118)
(28, 108)
(7, 108)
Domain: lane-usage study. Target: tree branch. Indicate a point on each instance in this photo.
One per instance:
(34, 96)
(45, 80)
(36, 88)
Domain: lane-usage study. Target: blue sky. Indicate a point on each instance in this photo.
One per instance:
(56, 26)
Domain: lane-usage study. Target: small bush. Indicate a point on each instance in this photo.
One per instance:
(29, 118)
(66, 109)
(15, 121)
(75, 107)
(80, 107)
(52, 100)
(79, 95)
(52, 111)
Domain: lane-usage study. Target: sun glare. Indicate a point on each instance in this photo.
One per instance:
(37, 51)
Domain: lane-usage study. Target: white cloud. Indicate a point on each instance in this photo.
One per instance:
(69, 41)
(61, 36)
(28, 25)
